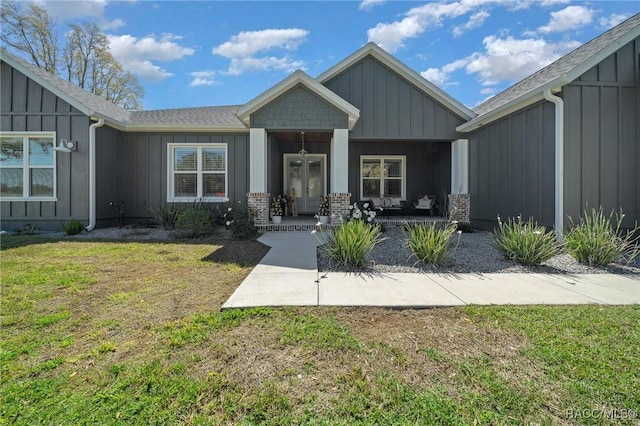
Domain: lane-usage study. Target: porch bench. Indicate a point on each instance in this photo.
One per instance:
(390, 206)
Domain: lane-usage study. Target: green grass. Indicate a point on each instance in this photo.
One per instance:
(351, 243)
(135, 336)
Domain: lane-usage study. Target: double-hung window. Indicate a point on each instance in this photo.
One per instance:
(27, 166)
(382, 176)
(197, 172)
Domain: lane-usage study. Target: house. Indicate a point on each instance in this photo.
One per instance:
(367, 128)
(564, 139)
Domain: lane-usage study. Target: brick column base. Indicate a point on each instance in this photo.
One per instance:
(459, 207)
(339, 206)
(258, 203)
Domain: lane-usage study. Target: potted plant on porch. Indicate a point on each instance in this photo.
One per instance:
(276, 210)
(323, 211)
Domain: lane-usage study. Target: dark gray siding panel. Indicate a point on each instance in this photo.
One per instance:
(106, 177)
(511, 168)
(299, 109)
(391, 107)
(428, 166)
(141, 170)
(602, 136)
(27, 106)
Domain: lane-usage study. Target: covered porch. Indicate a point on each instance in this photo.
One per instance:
(309, 223)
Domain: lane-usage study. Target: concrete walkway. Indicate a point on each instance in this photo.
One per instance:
(288, 276)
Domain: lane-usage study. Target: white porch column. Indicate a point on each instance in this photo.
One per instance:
(257, 160)
(340, 161)
(460, 166)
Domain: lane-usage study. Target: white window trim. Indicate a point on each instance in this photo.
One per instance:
(26, 178)
(402, 158)
(171, 198)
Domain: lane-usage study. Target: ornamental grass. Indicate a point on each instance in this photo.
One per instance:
(351, 243)
(430, 243)
(525, 242)
(600, 240)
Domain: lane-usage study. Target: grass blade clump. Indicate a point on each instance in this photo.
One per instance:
(597, 241)
(525, 242)
(428, 242)
(351, 243)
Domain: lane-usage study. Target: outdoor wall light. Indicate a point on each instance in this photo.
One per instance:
(65, 146)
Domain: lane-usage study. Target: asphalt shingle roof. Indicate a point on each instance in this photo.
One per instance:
(202, 116)
(560, 67)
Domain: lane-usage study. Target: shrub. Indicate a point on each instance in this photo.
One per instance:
(166, 215)
(73, 227)
(351, 243)
(366, 214)
(525, 242)
(430, 243)
(195, 221)
(597, 241)
(241, 224)
(27, 229)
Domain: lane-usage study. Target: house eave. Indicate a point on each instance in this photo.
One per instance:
(512, 106)
(200, 128)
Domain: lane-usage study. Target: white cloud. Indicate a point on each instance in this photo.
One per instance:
(203, 78)
(569, 18)
(510, 59)
(369, 4)
(248, 43)
(548, 3)
(136, 55)
(504, 60)
(440, 76)
(476, 20)
(242, 49)
(612, 20)
(241, 65)
(64, 10)
(391, 36)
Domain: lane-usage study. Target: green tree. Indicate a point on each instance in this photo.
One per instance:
(87, 61)
(31, 31)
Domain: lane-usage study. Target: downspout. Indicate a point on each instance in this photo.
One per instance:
(92, 173)
(559, 161)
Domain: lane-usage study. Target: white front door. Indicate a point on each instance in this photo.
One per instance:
(307, 176)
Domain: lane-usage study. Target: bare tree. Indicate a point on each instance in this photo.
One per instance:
(31, 31)
(87, 61)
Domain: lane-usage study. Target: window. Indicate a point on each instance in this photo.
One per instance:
(197, 172)
(27, 166)
(382, 176)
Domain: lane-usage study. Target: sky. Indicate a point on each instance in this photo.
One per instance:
(204, 53)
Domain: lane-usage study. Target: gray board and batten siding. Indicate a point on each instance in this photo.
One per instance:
(26, 106)
(391, 108)
(601, 150)
(141, 172)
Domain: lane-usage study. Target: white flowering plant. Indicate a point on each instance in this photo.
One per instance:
(365, 214)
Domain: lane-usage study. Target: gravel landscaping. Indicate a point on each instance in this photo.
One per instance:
(475, 253)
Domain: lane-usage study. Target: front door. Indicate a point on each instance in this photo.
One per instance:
(307, 176)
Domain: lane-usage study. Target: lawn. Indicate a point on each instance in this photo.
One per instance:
(131, 333)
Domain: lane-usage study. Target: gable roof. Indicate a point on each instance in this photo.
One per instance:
(299, 77)
(84, 101)
(559, 73)
(375, 51)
